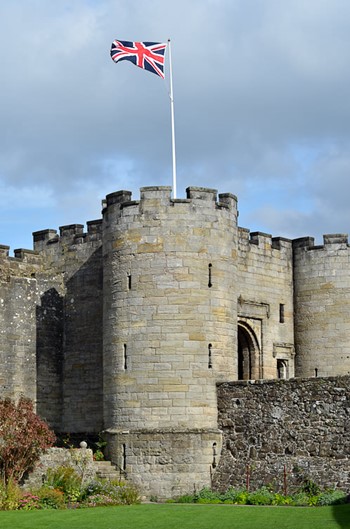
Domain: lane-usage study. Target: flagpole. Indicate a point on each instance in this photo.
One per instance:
(172, 120)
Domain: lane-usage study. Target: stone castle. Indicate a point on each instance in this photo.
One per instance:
(131, 327)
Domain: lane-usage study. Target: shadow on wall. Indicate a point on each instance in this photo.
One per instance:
(83, 348)
(69, 351)
(49, 357)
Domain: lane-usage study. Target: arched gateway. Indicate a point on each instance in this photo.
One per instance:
(248, 353)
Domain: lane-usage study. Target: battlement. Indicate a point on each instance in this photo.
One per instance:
(160, 196)
(20, 254)
(336, 241)
(262, 240)
(69, 234)
(4, 251)
(25, 263)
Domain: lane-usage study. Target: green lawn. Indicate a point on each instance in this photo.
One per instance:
(170, 516)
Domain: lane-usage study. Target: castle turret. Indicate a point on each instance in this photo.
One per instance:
(170, 333)
(322, 306)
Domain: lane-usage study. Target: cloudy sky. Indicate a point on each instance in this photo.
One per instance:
(262, 110)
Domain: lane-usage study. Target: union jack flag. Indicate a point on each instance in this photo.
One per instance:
(146, 55)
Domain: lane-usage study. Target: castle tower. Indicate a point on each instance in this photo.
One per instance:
(322, 306)
(170, 319)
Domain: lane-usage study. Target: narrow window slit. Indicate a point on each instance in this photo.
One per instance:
(210, 359)
(281, 313)
(214, 455)
(125, 357)
(129, 281)
(124, 457)
(210, 284)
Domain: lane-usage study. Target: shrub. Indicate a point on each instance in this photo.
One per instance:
(99, 500)
(67, 481)
(119, 492)
(206, 494)
(280, 499)
(98, 455)
(23, 437)
(332, 497)
(236, 496)
(261, 497)
(300, 499)
(186, 498)
(29, 502)
(10, 495)
(310, 487)
(241, 498)
(128, 494)
(51, 498)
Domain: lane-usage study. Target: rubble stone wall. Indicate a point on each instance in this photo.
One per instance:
(301, 426)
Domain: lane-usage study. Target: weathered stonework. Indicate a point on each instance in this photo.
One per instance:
(129, 327)
(322, 306)
(301, 426)
(81, 460)
(166, 462)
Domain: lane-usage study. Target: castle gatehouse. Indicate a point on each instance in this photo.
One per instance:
(132, 327)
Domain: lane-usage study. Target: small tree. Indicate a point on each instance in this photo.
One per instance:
(23, 436)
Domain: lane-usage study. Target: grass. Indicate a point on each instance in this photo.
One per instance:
(174, 516)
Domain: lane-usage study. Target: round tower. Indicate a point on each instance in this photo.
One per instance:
(322, 306)
(170, 320)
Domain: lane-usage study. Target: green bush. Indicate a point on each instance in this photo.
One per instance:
(306, 496)
(128, 494)
(300, 499)
(260, 497)
(51, 498)
(99, 500)
(280, 499)
(66, 480)
(10, 495)
(99, 456)
(332, 497)
(209, 500)
(236, 496)
(311, 488)
(186, 498)
(118, 492)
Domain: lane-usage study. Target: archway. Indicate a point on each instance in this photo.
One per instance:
(248, 353)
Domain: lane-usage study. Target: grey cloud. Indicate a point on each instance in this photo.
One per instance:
(257, 84)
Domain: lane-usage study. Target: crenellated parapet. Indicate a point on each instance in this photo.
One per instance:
(331, 242)
(25, 263)
(69, 235)
(160, 196)
(261, 241)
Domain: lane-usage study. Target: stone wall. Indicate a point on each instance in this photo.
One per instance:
(51, 326)
(166, 462)
(80, 459)
(69, 326)
(322, 306)
(18, 301)
(265, 302)
(301, 426)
